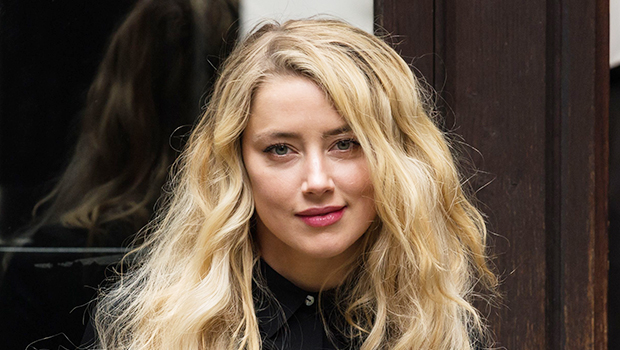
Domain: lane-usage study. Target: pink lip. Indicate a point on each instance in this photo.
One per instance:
(320, 217)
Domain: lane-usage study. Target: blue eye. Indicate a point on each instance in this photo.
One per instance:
(345, 145)
(279, 149)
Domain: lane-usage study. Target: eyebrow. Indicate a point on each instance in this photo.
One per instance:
(293, 135)
(338, 131)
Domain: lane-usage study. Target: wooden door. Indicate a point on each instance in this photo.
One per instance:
(526, 85)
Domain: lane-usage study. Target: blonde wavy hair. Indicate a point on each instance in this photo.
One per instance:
(412, 285)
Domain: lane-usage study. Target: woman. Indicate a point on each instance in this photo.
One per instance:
(317, 206)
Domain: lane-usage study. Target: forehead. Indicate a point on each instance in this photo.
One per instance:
(292, 103)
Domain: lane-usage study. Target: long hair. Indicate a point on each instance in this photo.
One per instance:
(412, 284)
(149, 83)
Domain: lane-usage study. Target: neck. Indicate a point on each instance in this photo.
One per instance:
(309, 274)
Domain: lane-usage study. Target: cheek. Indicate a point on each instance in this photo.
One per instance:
(270, 193)
(355, 179)
(269, 188)
(357, 186)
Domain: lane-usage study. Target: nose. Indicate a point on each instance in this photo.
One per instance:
(317, 179)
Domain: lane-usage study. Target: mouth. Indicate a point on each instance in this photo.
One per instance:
(323, 216)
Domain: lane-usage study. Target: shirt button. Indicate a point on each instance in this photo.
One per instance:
(309, 300)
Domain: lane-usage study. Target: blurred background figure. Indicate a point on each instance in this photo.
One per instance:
(145, 96)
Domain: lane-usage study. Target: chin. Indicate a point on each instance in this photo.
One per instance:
(329, 251)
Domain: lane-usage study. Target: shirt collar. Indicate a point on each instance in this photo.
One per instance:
(279, 302)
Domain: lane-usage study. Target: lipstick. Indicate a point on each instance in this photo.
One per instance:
(320, 217)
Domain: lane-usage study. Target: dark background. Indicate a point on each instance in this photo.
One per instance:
(614, 209)
(49, 53)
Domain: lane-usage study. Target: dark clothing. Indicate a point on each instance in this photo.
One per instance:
(293, 320)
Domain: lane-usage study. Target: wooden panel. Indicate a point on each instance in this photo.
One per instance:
(524, 84)
(602, 165)
(584, 173)
(410, 25)
(495, 55)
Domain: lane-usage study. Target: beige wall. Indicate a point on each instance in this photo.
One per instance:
(356, 12)
(614, 33)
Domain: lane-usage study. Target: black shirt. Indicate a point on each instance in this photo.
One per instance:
(290, 317)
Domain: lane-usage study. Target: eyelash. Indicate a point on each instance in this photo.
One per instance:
(352, 142)
(271, 148)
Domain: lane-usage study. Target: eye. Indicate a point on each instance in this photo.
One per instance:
(279, 149)
(345, 145)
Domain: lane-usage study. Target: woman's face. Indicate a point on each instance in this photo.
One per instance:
(309, 176)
